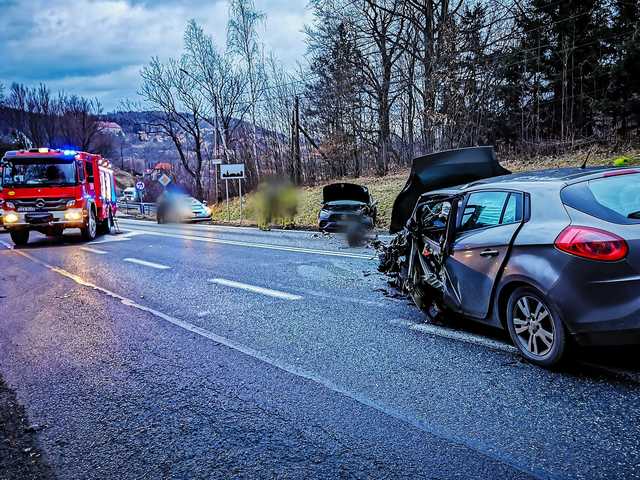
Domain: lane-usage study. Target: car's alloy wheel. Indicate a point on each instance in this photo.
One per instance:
(533, 325)
(535, 328)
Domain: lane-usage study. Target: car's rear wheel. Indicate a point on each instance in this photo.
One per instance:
(19, 237)
(535, 327)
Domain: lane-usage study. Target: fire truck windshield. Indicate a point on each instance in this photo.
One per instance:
(38, 172)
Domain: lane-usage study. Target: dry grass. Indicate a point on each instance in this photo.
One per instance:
(385, 189)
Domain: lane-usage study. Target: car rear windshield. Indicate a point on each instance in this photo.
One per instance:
(614, 198)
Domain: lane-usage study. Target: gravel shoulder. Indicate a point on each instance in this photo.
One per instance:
(20, 455)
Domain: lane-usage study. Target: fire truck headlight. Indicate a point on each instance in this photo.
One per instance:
(74, 214)
(10, 205)
(11, 218)
(71, 203)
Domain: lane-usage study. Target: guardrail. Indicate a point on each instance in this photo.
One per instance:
(141, 209)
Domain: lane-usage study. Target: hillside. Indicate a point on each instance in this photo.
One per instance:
(385, 189)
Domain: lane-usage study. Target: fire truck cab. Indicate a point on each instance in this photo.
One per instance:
(50, 190)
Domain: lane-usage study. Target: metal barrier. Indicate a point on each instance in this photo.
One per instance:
(141, 209)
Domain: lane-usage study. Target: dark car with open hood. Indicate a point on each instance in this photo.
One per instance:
(551, 256)
(346, 206)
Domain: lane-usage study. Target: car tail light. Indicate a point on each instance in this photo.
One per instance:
(592, 243)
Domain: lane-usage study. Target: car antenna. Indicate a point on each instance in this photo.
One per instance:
(584, 164)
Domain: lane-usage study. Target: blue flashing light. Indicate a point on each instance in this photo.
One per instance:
(69, 153)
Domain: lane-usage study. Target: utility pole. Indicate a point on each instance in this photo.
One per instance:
(297, 160)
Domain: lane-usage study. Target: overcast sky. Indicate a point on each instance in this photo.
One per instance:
(97, 47)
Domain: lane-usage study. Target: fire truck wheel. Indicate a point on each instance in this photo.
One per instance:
(107, 225)
(20, 237)
(90, 228)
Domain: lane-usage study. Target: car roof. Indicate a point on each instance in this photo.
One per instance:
(557, 177)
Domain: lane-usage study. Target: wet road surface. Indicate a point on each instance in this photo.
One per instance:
(212, 352)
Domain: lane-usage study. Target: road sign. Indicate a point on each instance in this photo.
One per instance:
(140, 186)
(164, 180)
(232, 171)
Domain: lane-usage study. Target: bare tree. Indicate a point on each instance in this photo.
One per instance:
(174, 94)
(80, 123)
(222, 80)
(243, 40)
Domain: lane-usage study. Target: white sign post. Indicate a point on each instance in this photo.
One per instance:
(233, 171)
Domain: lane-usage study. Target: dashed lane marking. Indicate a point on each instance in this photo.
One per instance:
(137, 261)
(93, 250)
(252, 288)
(116, 238)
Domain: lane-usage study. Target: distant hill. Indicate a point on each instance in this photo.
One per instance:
(136, 144)
(141, 146)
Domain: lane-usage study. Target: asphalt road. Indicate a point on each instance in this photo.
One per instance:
(215, 352)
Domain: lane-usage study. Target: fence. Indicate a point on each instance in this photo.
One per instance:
(139, 209)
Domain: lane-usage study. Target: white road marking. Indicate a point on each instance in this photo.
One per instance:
(93, 250)
(408, 418)
(462, 337)
(255, 289)
(116, 238)
(265, 246)
(231, 228)
(147, 264)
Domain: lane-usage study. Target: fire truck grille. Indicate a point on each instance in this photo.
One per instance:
(35, 204)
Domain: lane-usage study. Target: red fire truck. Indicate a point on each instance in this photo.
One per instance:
(50, 190)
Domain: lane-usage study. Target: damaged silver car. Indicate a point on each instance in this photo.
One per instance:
(346, 207)
(551, 256)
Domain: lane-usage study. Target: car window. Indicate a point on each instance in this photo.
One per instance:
(89, 171)
(615, 198)
(620, 194)
(485, 209)
(433, 219)
(513, 209)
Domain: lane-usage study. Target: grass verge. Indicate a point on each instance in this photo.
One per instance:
(385, 189)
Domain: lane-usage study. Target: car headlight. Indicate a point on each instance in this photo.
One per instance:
(73, 214)
(324, 214)
(10, 218)
(207, 210)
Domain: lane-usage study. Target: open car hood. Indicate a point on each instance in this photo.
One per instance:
(443, 170)
(345, 191)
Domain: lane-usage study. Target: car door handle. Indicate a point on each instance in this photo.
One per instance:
(489, 253)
